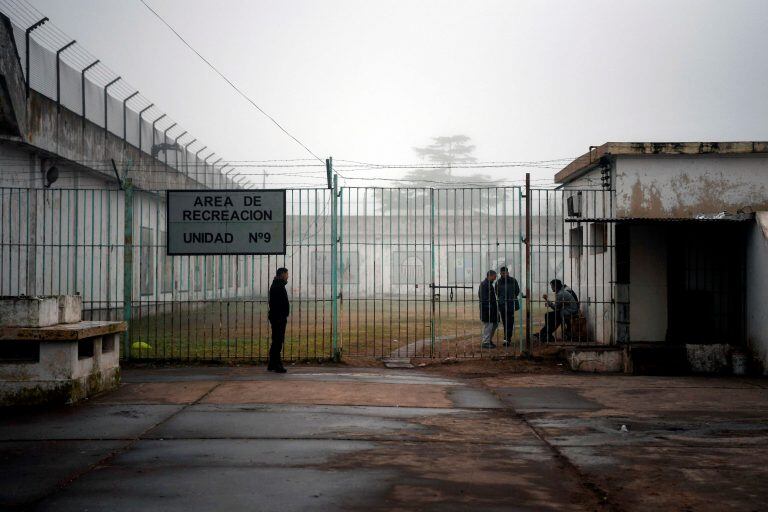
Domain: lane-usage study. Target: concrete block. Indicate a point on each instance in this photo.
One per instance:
(66, 369)
(709, 358)
(70, 309)
(596, 359)
(29, 311)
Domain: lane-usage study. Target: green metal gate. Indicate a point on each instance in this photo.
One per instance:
(410, 262)
(375, 272)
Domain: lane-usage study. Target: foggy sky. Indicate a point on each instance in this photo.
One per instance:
(364, 80)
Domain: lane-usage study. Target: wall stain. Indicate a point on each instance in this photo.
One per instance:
(684, 196)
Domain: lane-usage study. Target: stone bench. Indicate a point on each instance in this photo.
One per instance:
(61, 363)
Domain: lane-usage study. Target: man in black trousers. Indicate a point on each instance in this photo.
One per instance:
(279, 309)
(507, 292)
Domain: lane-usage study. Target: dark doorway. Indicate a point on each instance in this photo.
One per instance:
(706, 283)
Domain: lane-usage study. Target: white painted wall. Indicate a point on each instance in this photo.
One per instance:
(757, 289)
(682, 186)
(593, 273)
(648, 284)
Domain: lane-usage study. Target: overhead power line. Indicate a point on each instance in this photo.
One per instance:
(231, 84)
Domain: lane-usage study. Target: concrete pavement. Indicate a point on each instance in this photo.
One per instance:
(341, 438)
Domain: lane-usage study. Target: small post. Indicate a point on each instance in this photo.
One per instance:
(152, 147)
(205, 169)
(334, 273)
(128, 263)
(165, 140)
(106, 89)
(432, 269)
(528, 298)
(58, 72)
(186, 155)
(197, 169)
(125, 111)
(141, 114)
(26, 40)
(82, 85)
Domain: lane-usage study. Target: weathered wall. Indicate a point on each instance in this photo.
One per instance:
(757, 289)
(592, 274)
(648, 283)
(685, 186)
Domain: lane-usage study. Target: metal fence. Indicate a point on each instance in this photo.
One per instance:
(375, 272)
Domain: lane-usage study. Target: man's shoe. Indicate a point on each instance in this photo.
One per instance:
(507, 343)
(280, 369)
(488, 345)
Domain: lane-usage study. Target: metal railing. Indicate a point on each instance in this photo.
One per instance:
(375, 272)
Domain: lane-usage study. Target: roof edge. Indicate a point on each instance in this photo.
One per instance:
(590, 159)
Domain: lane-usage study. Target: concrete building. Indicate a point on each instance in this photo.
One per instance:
(63, 201)
(689, 228)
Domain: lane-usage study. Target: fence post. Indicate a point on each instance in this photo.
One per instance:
(128, 263)
(334, 272)
(432, 270)
(528, 298)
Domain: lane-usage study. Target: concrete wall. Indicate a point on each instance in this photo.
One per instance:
(684, 186)
(757, 289)
(593, 273)
(648, 283)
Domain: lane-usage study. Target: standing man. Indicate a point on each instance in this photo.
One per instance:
(279, 309)
(489, 309)
(507, 291)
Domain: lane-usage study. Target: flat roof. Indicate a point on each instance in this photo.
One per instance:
(590, 159)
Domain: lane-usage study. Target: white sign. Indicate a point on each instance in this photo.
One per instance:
(225, 222)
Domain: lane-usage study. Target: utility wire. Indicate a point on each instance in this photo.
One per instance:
(237, 89)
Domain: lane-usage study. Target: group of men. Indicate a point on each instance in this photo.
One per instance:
(499, 299)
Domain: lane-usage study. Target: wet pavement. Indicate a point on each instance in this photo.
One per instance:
(381, 439)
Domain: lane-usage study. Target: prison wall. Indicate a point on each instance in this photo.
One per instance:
(757, 289)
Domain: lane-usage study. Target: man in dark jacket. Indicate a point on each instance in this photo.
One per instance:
(279, 309)
(489, 309)
(507, 291)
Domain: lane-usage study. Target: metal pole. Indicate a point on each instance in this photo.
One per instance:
(334, 273)
(141, 114)
(196, 170)
(165, 139)
(205, 168)
(106, 88)
(432, 268)
(26, 39)
(213, 168)
(58, 72)
(125, 109)
(82, 85)
(128, 263)
(153, 134)
(528, 298)
(186, 159)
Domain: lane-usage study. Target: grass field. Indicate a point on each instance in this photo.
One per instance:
(239, 330)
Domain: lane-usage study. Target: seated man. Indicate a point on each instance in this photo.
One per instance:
(565, 306)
